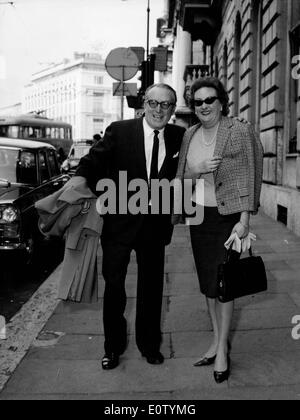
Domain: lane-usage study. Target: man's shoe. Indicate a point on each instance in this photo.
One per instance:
(110, 361)
(155, 359)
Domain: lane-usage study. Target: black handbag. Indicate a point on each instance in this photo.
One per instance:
(242, 277)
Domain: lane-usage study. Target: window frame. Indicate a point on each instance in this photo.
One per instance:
(42, 180)
(294, 39)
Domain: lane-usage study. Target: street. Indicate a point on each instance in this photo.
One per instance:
(17, 285)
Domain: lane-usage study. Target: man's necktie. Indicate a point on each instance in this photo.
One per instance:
(154, 159)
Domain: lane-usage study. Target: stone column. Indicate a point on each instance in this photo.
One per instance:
(166, 9)
(181, 58)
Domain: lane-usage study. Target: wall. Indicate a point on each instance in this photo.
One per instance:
(257, 71)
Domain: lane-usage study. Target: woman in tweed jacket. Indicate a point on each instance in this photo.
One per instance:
(227, 155)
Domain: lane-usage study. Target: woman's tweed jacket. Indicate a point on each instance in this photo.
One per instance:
(239, 177)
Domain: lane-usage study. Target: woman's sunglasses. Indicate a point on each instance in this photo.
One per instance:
(208, 101)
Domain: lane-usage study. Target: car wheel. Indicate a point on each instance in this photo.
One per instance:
(31, 263)
(11, 273)
(30, 249)
(6, 279)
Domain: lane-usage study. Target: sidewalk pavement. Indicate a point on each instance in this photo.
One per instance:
(62, 359)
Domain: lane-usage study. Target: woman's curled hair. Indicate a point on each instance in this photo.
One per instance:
(215, 83)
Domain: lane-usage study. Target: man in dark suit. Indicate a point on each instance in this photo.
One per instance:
(146, 148)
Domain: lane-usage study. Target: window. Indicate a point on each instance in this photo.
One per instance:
(282, 215)
(28, 132)
(98, 80)
(54, 133)
(3, 130)
(8, 164)
(98, 125)
(216, 72)
(68, 133)
(257, 62)
(24, 132)
(98, 94)
(44, 171)
(37, 133)
(97, 107)
(48, 133)
(225, 65)
(54, 170)
(26, 169)
(294, 89)
(13, 131)
(197, 53)
(237, 52)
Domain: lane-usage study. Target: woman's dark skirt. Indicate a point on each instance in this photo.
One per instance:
(208, 247)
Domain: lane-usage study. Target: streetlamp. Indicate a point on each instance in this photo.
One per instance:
(146, 67)
(148, 28)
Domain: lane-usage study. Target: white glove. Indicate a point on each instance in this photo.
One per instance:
(240, 245)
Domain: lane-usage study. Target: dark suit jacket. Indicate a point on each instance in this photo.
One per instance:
(122, 149)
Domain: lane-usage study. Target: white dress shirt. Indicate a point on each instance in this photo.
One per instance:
(149, 138)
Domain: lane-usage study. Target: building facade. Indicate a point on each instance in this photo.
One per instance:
(77, 91)
(253, 46)
(12, 110)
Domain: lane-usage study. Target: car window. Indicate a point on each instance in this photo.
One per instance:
(8, 164)
(48, 132)
(44, 171)
(3, 130)
(26, 168)
(54, 169)
(13, 131)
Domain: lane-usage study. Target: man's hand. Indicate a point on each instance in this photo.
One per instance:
(242, 120)
(207, 166)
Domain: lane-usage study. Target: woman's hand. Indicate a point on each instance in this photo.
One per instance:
(241, 230)
(207, 166)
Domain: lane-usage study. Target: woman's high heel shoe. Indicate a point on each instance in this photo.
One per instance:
(223, 376)
(205, 361)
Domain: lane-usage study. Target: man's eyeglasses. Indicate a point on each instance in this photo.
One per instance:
(164, 105)
(208, 101)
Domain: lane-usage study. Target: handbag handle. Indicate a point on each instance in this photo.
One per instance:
(229, 251)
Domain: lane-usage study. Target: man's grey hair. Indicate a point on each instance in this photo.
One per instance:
(163, 86)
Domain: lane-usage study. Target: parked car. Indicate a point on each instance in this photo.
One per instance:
(77, 151)
(29, 171)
